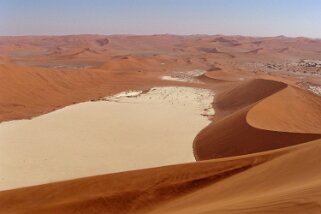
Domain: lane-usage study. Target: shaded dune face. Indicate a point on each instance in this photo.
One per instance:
(246, 93)
(233, 136)
(124, 192)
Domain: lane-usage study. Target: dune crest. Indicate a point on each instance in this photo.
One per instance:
(289, 110)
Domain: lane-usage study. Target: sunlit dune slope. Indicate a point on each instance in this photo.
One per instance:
(289, 183)
(30, 91)
(290, 110)
(122, 192)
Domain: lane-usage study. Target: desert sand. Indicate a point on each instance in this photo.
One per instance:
(259, 153)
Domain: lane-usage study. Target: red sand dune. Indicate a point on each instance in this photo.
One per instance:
(29, 91)
(237, 134)
(276, 181)
(290, 110)
(246, 93)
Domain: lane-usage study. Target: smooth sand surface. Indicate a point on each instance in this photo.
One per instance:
(152, 129)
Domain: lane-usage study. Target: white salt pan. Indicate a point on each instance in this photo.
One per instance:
(138, 131)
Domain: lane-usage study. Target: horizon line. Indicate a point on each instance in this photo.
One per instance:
(160, 34)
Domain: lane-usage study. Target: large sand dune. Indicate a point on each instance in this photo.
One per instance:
(276, 181)
(29, 91)
(248, 130)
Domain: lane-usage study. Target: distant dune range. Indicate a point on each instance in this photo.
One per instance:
(29, 91)
(260, 154)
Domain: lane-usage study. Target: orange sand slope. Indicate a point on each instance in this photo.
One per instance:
(31, 91)
(286, 180)
(279, 181)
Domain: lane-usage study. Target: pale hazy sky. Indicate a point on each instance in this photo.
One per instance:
(244, 17)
